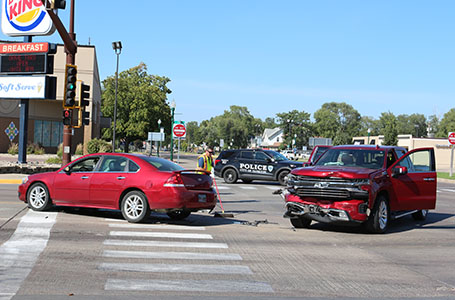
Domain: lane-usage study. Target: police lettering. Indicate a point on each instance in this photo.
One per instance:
(253, 167)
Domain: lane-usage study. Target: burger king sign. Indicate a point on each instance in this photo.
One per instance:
(25, 17)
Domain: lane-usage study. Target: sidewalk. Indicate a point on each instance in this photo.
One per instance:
(12, 178)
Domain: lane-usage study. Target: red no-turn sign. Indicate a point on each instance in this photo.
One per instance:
(179, 131)
(452, 138)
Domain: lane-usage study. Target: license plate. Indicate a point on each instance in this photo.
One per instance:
(202, 198)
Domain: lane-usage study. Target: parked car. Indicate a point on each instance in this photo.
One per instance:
(253, 164)
(134, 184)
(362, 185)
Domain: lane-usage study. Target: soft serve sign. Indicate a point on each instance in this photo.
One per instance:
(25, 17)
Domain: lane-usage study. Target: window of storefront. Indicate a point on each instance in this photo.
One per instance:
(48, 133)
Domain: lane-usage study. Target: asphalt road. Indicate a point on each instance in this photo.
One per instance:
(94, 254)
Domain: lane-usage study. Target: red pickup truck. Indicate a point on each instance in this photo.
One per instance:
(362, 184)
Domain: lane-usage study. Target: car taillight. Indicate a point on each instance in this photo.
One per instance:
(217, 161)
(174, 181)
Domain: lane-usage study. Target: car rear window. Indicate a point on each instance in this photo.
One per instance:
(162, 164)
(226, 154)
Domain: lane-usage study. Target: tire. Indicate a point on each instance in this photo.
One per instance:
(247, 180)
(378, 220)
(230, 176)
(281, 177)
(420, 215)
(135, 207)
(178, 214)
(300, 222)
(38, 197)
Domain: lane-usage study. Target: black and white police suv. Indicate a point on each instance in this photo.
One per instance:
(253, 164)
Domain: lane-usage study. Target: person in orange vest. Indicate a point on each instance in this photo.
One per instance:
(205, 161)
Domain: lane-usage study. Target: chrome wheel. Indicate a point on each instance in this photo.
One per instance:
(378, 221)
(383, 215)
(134, 206)
(38, 197)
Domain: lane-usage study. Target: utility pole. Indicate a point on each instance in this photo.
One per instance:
(69, 39)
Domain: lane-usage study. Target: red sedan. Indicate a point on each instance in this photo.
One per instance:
(135, 184)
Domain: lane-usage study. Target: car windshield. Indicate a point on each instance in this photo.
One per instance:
(162, 164)
(319, 152)
(275, 155)
(371, 159)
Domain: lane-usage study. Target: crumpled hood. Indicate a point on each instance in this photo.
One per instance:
(331, 171)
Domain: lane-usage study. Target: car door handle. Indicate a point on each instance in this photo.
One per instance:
(84, 177)
(429, 179)
(120, 178)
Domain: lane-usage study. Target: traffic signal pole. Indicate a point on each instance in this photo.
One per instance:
(69, 39)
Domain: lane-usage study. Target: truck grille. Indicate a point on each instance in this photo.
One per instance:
(332, 187)
(326, 193)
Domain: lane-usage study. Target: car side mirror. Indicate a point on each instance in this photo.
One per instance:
(67, 170)
(399, 170)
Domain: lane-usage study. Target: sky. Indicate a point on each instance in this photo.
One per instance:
(277, 56)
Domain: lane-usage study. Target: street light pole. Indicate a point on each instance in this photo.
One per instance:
(117, 46)
(172, 127)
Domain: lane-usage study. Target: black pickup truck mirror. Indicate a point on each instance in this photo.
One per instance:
(399, 170)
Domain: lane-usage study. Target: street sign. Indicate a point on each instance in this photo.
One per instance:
(452, 138)
(29, 63)
(21, 18)
(179, 131)
(11, 131)
(27, 87)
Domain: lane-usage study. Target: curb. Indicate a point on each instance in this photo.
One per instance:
(10, 181)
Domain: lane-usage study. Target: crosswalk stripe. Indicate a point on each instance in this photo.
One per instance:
(447, 190)
(139, 243)
(273, 188)
(176, 268)
(19, 254)
(156, 226)
(171, 255)
(162, 234)
(223, 187)
(189, 285)
(248, 188)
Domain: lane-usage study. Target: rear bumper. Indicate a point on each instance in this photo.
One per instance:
(180, 197)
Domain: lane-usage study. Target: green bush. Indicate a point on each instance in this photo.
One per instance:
(54, 160)
(97, 145)
(106, 147)
(35, 149)
(79, 149)
(13, 149)
(60, 150)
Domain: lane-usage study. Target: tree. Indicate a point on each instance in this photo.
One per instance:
(447, 124)
(269, 123)
(389, 128)
(415, 124)
(141, 101)
(369, 123)
(338, 121)
(296, 126)
(433, 125)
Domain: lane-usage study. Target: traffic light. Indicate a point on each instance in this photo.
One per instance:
(58, 4)
(67, 117)
(70, 86)
(84, 116)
